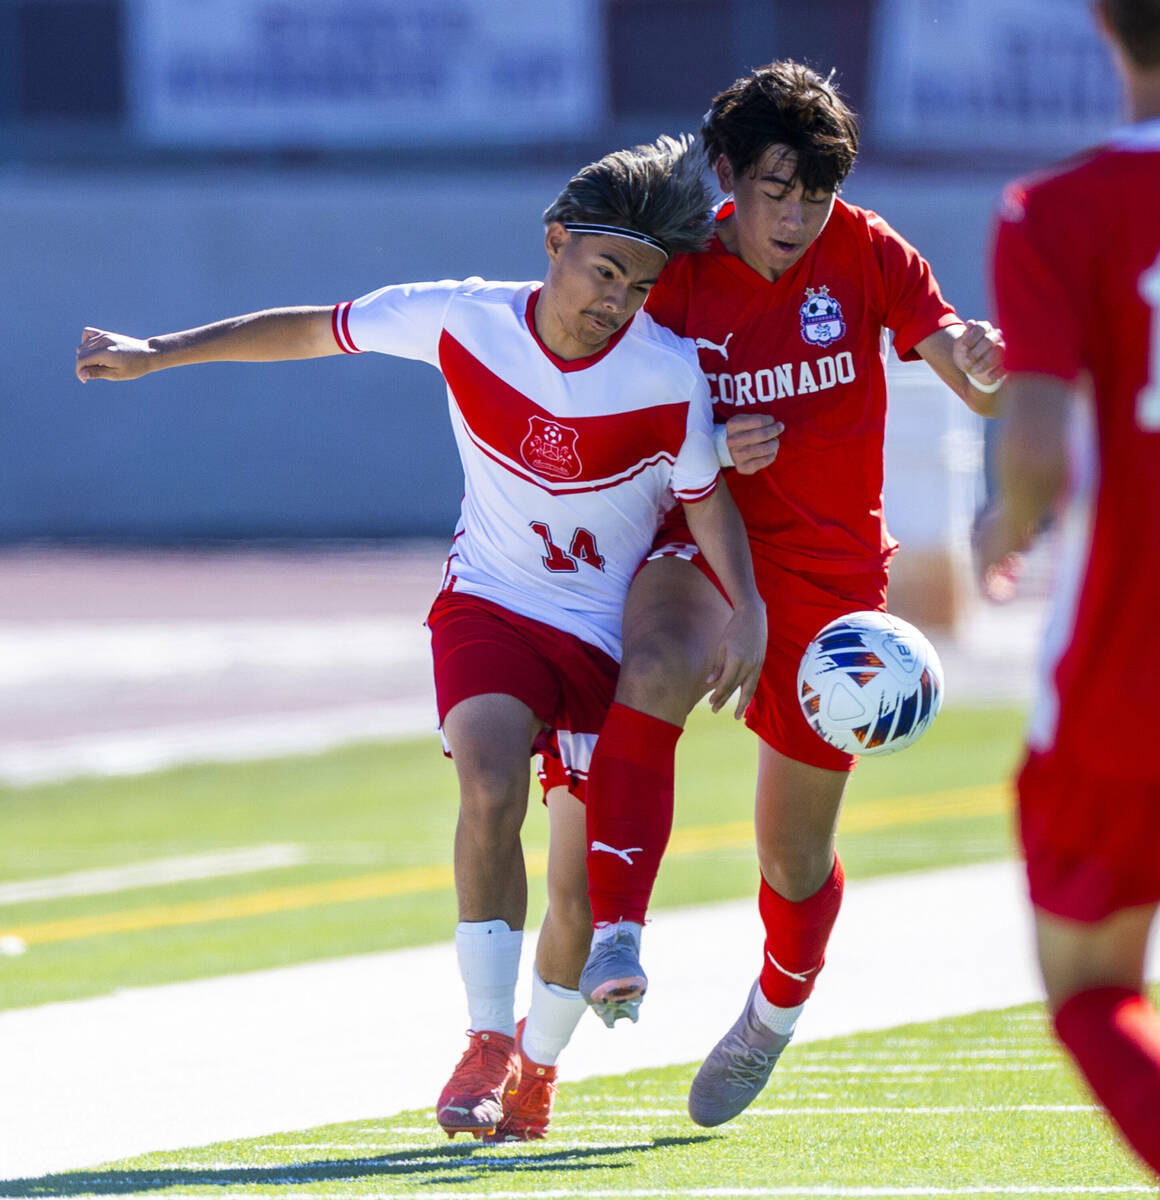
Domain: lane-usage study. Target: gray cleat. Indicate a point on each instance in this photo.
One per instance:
(737, 1068)
(613, 983)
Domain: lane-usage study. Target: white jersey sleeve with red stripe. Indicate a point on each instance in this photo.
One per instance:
(568, 464)
(404, 319)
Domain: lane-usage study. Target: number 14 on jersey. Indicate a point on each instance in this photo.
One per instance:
(581, 549)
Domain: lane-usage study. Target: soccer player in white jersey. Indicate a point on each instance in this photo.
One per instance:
(578, 422)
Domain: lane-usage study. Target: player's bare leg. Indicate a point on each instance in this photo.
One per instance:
(796, 822)
(490, 737)
(557, 1005)
(672, 622)
(1094, 974)
(800, 894)
(566, 930)
(673, 619)
(1076, 955)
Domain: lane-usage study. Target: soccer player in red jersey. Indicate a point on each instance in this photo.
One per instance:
(578, 420)
(1077, 288)
(788, 307)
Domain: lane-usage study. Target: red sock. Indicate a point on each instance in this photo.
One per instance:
(630, 811)
(1113, 1034)
(796, 937)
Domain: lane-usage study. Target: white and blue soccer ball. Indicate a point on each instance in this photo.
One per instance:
(870, 683)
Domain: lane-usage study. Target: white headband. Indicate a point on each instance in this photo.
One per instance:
(617, 231)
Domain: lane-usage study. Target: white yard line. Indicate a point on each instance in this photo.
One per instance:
(235, 739)
(364, 1037)
(927, 1068)
(818, 1192)
(816, 1110)
(80, 654)
(179, 869)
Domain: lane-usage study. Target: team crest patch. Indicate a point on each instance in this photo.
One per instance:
(550, 449)
(821, 316)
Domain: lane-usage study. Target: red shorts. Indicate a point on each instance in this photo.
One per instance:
(668, 544)
(1092, 844)
(798, 604)
(479, 647)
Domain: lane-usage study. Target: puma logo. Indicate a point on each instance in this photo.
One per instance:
(455, 1108)
(705, 344)
(792, 974)
(619, 853)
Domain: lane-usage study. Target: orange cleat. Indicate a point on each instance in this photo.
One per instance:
(473, 1100)
(527, 1111)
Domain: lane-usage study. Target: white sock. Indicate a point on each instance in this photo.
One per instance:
(607, 931)
(780, 1020)
(552, 1018)
(489, 964)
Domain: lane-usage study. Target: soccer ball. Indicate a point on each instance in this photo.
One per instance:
(870, 683)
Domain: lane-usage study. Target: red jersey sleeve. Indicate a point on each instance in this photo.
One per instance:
(914, 305)
(1034, 301)
(668, 300)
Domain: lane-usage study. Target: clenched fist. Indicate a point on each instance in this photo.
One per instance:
(115, 356)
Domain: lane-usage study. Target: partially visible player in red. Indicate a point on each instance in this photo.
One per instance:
(788, 307)
(1077, 286)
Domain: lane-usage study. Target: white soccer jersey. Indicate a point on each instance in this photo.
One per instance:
(567, 464)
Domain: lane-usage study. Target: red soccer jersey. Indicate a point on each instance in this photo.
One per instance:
(1077, 288)
(808, 348)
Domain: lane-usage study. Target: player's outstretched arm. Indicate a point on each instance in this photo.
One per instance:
(969, 360)
(272, 335)
(719, 531)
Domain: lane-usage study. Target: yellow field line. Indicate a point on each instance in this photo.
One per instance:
(952, 804)
(955, 803)
(254, 904)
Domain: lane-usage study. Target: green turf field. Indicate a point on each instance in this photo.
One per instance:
(978, 1106)
(374, 826)
(975, 1106)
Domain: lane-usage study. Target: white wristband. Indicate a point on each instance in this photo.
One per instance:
(721, 445)
(989, 388)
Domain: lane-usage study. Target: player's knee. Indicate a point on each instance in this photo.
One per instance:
(796, 869)
(493, 795)
(1076, 957)
(659, 673)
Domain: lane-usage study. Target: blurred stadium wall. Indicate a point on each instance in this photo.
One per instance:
(164, 164)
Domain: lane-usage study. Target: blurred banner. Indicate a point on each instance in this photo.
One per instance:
(340, 72)
(1010, 75)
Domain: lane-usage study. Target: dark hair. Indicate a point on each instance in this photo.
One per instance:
(1136, 25)
(784, 103)
(658, 189)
